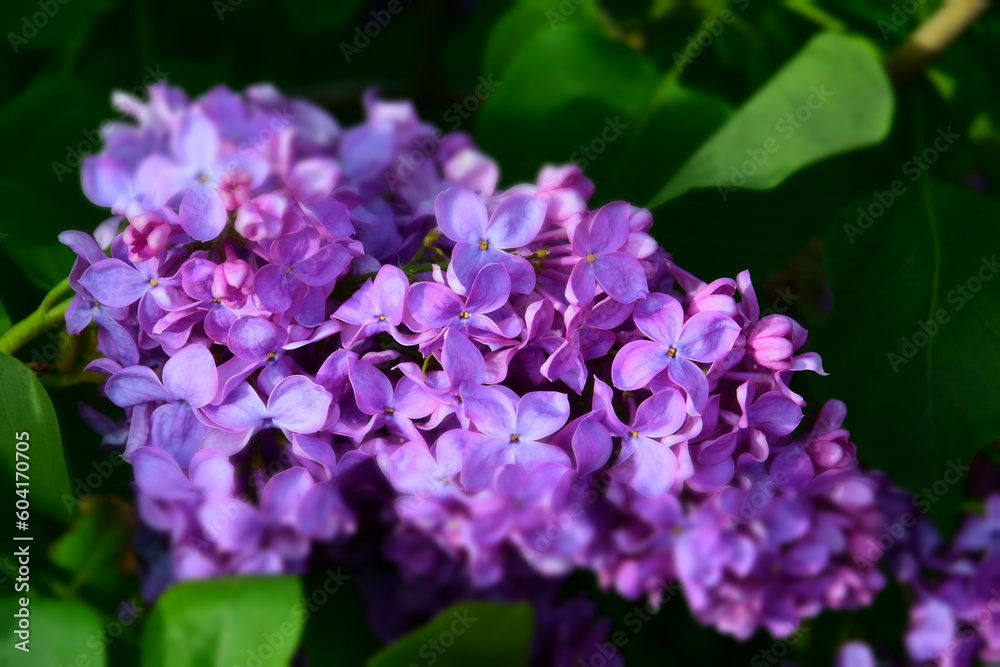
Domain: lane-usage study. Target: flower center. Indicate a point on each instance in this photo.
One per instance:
(270, 356)
(464, 314)
(672, 352)
(515, 438)
(591, 258)
(484, 245)
(634, 434)
(390, 411)
(381, 318)
(152, 281)
(288, 270)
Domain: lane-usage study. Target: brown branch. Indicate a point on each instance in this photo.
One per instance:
(932, 38)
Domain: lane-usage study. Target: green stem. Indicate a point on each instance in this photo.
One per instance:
(52, 298)
(33, 326)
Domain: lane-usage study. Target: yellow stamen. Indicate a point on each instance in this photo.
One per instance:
(672, 352)
(591, 258)
(484, 245)
(464, 315)
(515, 438)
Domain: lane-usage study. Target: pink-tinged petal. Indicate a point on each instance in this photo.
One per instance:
(582, 284)
(433, 305)
(313, 179)
(197, 276)
(323, 267)
(323, 513)
(531, 454)
(660, 317)
(212, 473)
(273, 290)
(196, 142)
(707, 336)
(134, 385)
(637, 363)
(254, 338)
(231, 524)
(412, 470)
(809, 361)
(191, 375)
(372, 389)
(241, 410)
(114, 283)
(333, 215)
(520, 270)
(540, 414)
(490, 290)
(775, 414)
(389, 293)
(591, 445)
(621, 276)
(461, 215)
(158, 475)
(105, 180)
(158, 179)
(490, 410)
(84, 245)
(692, 379)
(411, 400)
(661, 414)
(466, 261)
(462, 361)
(482, 457)
(651, 469)
(609, 229)
(202, 213)
(282, 494)
(174, 428)
(115, 341)
(516, 221)
(299, 405)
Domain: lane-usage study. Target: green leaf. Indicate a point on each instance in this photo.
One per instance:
(26, 408)
(95, 548)
(469, 633)
(4, 318)
(913, 342)
(41, 190)
(62, 633)
(527, 19)
(313, 16)
(563, 90)
(678, 121)
(31, 24)
(222, 622)
(833, 97)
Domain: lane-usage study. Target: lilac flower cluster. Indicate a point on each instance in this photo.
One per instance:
(953, 586)
(519, 378)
